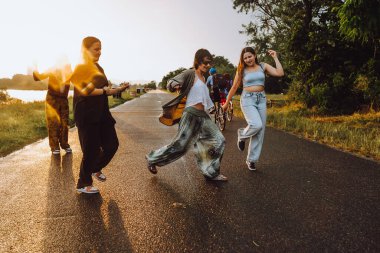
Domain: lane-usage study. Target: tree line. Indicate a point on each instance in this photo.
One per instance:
(329, 49)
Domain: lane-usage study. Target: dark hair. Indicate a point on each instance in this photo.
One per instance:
(242, 64)
(200, 55)
(89, 41)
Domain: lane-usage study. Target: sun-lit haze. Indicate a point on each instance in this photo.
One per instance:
(141, 39)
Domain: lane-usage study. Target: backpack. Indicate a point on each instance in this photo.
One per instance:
(219, 82)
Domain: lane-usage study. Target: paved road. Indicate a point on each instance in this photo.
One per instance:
(305, 197)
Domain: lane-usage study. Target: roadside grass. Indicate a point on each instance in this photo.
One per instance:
(357, 133)
(20, 125)
(25, 123)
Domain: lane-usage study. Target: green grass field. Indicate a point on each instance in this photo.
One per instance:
(25, 123)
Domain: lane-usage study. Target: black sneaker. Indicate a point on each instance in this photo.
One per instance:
(241, 145)
(152, 168)
(251, 166)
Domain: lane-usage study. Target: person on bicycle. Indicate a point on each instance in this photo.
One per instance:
(214, 91)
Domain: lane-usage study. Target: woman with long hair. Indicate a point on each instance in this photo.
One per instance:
(251, 75)
(93, 119)
(196, 128)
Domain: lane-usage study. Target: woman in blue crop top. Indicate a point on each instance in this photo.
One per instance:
(251, 74)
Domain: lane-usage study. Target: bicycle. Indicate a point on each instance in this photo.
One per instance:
(230, 111)
(220, 115)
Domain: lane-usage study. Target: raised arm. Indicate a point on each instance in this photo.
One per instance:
(278, 71)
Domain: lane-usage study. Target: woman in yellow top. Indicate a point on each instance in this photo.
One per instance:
(93, 119)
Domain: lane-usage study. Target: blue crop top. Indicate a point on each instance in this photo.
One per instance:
(254, 77)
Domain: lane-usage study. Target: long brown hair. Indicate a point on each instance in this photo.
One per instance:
(199, 56)
(241, 66)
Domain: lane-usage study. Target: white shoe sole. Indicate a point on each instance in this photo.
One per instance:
(249, 168)
(87, 192)
(97, 178)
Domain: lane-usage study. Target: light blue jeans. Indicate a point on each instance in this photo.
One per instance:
(254, 107)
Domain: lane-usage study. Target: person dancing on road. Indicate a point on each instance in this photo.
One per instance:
(57, 107)
(96, 126)
(195, 127)
(251, 74)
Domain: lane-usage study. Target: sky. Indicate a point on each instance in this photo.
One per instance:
(142, 40)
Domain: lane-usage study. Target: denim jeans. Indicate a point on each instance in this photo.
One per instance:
(195, 129)
(254, 107)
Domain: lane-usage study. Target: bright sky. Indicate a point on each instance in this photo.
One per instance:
(141, 39)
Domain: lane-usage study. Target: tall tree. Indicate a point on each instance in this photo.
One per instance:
(322, 65)
(360, 21)
(171, 74)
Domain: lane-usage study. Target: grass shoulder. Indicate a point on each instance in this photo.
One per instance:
(24, 123)
(357, 133)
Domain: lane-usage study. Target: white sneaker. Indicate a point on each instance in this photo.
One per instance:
(56, 152)
(101, 177)
(88, 189)
(68, 150)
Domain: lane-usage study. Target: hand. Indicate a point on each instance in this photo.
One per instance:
(36, 75)
(225, 106)
(123, 87)
(272, 53)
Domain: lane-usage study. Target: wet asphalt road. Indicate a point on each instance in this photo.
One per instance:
(305, 197)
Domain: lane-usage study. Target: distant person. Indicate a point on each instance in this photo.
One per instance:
(93, 119)
(251, 74)
(57, 107)
(196, 128)
(228, 81)
(218, 85)
(210, 84)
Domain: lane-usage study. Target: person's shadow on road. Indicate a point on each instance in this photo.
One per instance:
(79, 222)
(195, 218)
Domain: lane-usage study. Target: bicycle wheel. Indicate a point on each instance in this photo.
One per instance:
(230, 111)
(220, 119)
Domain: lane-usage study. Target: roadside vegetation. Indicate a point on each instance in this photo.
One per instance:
(357, 133)
(331, 59)
(24, 123)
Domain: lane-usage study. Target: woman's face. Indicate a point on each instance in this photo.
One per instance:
(95, 51)
(249, 59)
(205, 65)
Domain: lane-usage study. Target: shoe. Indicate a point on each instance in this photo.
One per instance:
(251, 166)
(241, 145)
(56, 152)
(99, 176)
(68, 150)
(152, 168)
(88, 189)
(219, 177)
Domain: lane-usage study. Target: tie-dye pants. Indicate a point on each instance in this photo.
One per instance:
(195, 129)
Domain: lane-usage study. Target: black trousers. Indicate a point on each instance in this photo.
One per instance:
(99, 144)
